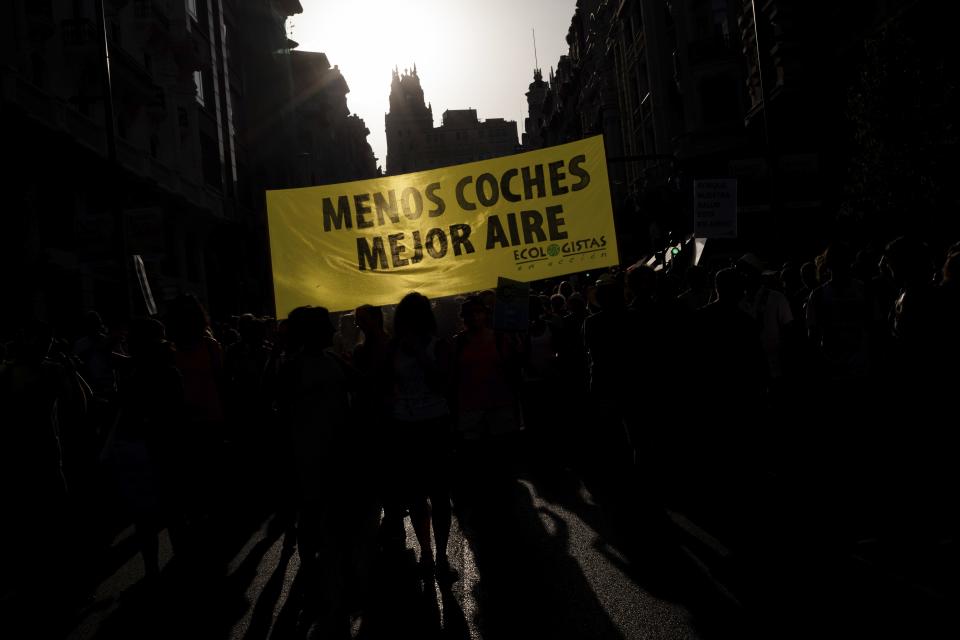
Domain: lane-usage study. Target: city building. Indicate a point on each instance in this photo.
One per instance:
(333, 143)
(793, 99)
(414, 144)
(167, 157)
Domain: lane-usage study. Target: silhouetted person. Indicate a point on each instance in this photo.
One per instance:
(347, 335)
(731, 373)
(914, 309)
(699, 291)
(200, 362)
(808, 276)
(949, 311)
(730, 340)
(556, 311)
(486, 375)
(34, 393)
(607, 337)
(573, 375)
(792, 285)
(642, 286)
(919, 445)
(371, 359)
(334, 465)
(244, 365)
(95, 350)
(771, 310)
(838, 314)
(657, 335)
(420, 439)
(539, 370)
(143, 453)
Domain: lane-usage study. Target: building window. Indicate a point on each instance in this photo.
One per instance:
(198, 83)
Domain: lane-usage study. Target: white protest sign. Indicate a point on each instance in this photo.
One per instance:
(715, 208)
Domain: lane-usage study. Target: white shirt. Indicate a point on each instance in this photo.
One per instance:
(772, 310)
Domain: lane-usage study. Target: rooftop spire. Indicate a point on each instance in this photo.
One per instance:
(536, 62)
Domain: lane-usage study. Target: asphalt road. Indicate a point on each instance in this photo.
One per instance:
(537, 557)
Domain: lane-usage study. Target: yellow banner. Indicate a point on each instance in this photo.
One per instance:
(442, 232)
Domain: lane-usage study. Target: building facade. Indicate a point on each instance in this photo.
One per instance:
(414, 144)
(167, 157)
(333, 143)
(790, 97)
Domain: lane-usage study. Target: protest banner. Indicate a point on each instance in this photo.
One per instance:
(444, 231)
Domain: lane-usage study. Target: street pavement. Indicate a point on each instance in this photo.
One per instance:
(537, 557)
(546, 554)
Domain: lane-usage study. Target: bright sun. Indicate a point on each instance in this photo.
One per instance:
(468, 54)
(394, 34)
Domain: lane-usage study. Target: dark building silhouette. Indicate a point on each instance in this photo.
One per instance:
(660, 81)
(533, 123)
(676, 89)
(204, 118)
(333, 142)
(414, 144)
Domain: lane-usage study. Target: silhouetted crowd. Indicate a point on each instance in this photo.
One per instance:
(832, 380)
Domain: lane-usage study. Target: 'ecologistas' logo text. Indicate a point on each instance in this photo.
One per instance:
(562, 253)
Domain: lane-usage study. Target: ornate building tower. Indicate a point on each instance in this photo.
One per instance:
(414, 144)
(536, 95)
(409, 122)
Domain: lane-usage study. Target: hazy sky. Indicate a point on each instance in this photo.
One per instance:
(469, 53)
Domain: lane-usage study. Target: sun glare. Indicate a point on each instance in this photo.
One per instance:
(368, 39)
